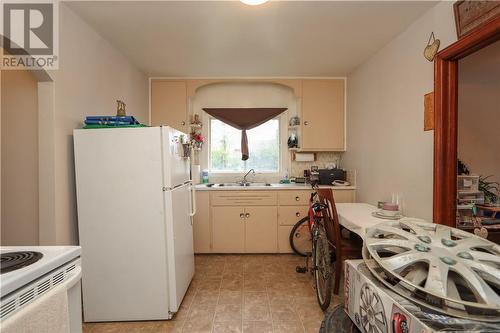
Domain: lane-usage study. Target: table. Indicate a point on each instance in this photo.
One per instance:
(357, 217)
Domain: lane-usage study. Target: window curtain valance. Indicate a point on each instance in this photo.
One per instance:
(244, 119)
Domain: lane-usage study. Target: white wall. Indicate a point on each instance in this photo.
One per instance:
(92, 75)
(479, 111)
(19, 152)
(386, 142)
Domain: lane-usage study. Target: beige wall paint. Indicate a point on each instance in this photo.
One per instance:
(19, 161)
(386, 142)
(479, 111)
(0, 156)
(92, 75)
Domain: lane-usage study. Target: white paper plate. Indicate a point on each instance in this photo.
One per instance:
(387, 217)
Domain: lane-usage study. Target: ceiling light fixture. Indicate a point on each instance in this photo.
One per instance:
(254, 2)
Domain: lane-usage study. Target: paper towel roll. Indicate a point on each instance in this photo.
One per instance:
(304, 157)
(195, 174)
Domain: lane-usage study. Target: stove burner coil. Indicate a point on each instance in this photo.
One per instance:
(11, 261)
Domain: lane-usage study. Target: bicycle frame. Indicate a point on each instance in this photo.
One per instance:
(315, 211)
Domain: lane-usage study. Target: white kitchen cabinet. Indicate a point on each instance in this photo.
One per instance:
(322, 109)
(294, 198)
(228, 229)
(284, 239)
(201, 223)
(251, 221)
(244, 198)
(261, 229)
(323, 115)
(169, 104)
(239, 229)
(289, 215)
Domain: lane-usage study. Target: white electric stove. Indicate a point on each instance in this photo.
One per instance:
(29, 272)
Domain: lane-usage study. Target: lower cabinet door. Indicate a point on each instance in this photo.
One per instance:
(228, 229)
(261, 229)
(284, 239)
(201, 223)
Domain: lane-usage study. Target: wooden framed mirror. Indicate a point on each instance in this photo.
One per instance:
(446, 117)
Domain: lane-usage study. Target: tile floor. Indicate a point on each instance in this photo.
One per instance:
(239, 293)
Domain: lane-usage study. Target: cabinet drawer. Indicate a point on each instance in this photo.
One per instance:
(342, 196)
(294, 198)
(244, 198)
(289, 215)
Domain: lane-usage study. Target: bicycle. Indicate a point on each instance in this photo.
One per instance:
(321, 268)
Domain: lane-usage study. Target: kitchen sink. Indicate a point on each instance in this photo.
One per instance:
(243, 184)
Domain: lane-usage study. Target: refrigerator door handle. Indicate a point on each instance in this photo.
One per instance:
(193, 201)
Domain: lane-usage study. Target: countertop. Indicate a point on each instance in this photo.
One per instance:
(204, 187)
(357, 217)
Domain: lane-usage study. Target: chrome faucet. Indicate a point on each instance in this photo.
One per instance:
(244, 182)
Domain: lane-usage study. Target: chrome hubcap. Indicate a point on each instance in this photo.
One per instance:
(454, 269)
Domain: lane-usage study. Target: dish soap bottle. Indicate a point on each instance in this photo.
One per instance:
(204, 176)
(285, 179)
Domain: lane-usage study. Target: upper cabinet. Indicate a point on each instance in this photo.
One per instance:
(322, 111)
(323, 115)
(169, 104)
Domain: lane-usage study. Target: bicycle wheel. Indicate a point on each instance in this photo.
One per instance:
(337, 321)
(322, 267)
(300, 237)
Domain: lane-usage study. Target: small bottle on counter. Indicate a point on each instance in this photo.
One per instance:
(204, 176)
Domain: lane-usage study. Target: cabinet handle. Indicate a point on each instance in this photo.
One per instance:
(306, 123)
(297, 214)
(242, 215)
(297, 198)
(247, 215)
(183, 123)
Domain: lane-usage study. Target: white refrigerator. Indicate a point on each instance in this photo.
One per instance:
(135, 208)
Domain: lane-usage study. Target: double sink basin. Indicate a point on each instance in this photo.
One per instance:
(254, 185)
(239, 185)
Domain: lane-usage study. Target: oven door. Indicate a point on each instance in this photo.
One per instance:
(75, 300)
(35, 297)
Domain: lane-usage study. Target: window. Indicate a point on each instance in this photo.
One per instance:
(263, 146)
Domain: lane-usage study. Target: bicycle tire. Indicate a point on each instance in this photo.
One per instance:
(297, 247)
(337, 321)
(322, 268)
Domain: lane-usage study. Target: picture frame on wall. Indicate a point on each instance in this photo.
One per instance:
(470, 14)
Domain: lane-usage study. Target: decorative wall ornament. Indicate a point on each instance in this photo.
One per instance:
(432, 47)
(294, 121)
(470, 14)
(195, 136)
(120, 109)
